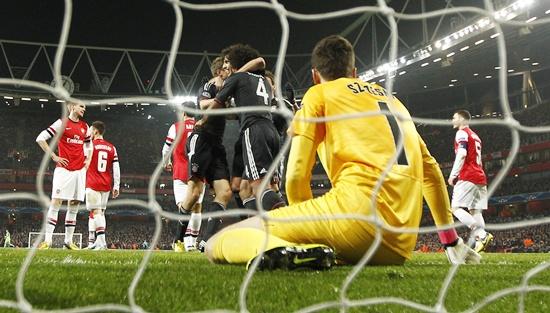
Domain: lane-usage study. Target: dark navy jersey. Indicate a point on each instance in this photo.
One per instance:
(280, 122)
(215, 124)
(248, 90)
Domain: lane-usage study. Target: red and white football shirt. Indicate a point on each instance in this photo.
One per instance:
(71, 144)
(472, 170)
(99, 176)
(180, 170)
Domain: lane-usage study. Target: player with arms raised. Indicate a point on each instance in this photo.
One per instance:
(69, 177)
(103, 173)
(469, 181)
(355, 153)
(178, 163)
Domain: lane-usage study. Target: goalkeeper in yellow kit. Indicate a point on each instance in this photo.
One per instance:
(354, 152)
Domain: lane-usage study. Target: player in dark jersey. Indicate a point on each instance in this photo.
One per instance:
(242, 192)
(260, 138)
(281, 124)
(207, 156)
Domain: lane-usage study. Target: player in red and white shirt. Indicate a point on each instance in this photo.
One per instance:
(69, 177)
(178, 163)
(102, 176)
(469, 181)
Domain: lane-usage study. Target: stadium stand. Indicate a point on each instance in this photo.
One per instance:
(138, 133)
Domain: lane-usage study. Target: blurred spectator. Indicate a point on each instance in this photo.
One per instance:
(523, 239)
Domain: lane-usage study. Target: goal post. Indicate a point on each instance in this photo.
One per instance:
(57, 239)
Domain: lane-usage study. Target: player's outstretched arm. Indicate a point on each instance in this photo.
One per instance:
(170, 137)
(116, 176)
(88, 148)
(207, 105)
(298, 175)
(253, 65)
(306, 138)
(220, 100)
(457, 165)
(461, 139)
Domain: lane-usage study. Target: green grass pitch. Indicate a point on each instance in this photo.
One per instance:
(173, 282)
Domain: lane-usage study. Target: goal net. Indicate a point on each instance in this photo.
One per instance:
(58, 239)
(489, 18)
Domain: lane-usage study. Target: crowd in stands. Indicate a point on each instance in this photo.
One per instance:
(138, 134)
(520, 239)
(494, 138)
(131, 232)
(121, 234)
(514, 185)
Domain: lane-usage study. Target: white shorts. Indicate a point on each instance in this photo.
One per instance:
(469, 195)
(68, 185)
(96, 199)
(180, 191)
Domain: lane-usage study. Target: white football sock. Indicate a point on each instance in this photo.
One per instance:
(70, 221)
(192, 231)
(91, 230)
(194, 225)
(465, 218)
(480, 230)
(99, 220)
(52, 215)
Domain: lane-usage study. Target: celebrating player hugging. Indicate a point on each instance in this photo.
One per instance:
(260, 140)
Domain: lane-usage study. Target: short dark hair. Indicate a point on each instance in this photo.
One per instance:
(100, 126)
(239, 54)
(189, 105)
(465, 114)
(333, 57)
(216, 66)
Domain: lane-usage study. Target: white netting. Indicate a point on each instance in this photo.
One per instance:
(344, 302)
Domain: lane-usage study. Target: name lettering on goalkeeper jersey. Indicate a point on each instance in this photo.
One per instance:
(356, 87)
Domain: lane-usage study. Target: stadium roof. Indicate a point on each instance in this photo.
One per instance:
(148, 25)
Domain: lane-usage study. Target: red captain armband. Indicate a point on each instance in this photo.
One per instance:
(448, 237)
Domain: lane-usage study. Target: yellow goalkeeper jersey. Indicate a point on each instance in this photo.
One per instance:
(355, 151)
